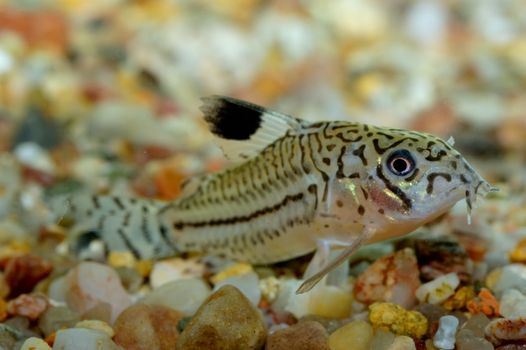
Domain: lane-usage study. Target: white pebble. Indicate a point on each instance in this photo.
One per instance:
(175, 269)
(445, 335)
(34, 343)
(34, 156)
(6, 62)
(83, 339)
(512, 276)
(402, 342)
(439, 289)
(513, 304)
(247, 283)
(184, 295)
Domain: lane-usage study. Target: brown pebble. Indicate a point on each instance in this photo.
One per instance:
(22, 273)
(226, 320)
(307, 335)
(145, 327)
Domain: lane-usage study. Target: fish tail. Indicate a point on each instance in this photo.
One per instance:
(120, 223)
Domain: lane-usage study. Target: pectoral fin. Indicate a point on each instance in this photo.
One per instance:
(341, 258)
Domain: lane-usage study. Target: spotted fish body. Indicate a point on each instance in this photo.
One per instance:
(299, 184)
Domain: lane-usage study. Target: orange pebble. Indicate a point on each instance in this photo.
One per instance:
(168, 181)
(3, 310)
(484, 303)
(50, 339)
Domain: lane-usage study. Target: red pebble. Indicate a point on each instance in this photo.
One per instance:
(28, 305)
(22, 273)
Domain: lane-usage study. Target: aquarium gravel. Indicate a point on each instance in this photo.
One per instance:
(103, 97)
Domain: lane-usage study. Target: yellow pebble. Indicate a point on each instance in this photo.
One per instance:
(357, 333)
(237, 269)
(402, 342)
(398, 320)
(460, 298)
(519, 253)
(144, 267)
(330, 302)
(121, 259)
(15, 248)
(493, 277)
(96, 325)
(35, 343)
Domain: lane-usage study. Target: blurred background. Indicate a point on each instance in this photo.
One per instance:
(104, 94)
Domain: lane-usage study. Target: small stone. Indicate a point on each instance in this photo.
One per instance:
(439, 289)
(4, 287)
(329, 324)
(34, 343)
(130, 278)
(144, 267)
(433, 313)
(402, 342)
(3, 310)
(445, 336)
(28, 305)
(102, 311)
(306, 335)
(144, 327)
(437, 257)
(19, 325)
(233, 270)
(92, 283)
(466, 340)
(226, 320)
(518, 254)
(485, 303)
(460, 298)
(121, 259)
(392, 278)
(247, 283)
(83, 339)
(502, 330)
(511, 276)
(397, 319)
(57, 317)
(513, 304)
(22, 273)
(57, 289)
(382, 340)
(185, 295)
(96, 325)
(269, 288)
(8, 337)
(357, 333)
(175, 269)
(477, 324)
(324, 300)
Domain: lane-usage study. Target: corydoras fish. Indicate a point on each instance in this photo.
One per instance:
(297, 187)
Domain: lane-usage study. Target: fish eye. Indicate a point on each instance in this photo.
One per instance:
(401, 162)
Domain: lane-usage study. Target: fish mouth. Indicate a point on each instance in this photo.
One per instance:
(480, 190)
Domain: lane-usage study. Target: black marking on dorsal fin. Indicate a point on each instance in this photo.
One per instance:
(243, 129)
(230, 118)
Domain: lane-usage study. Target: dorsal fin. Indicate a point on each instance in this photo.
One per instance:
(243, 129)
